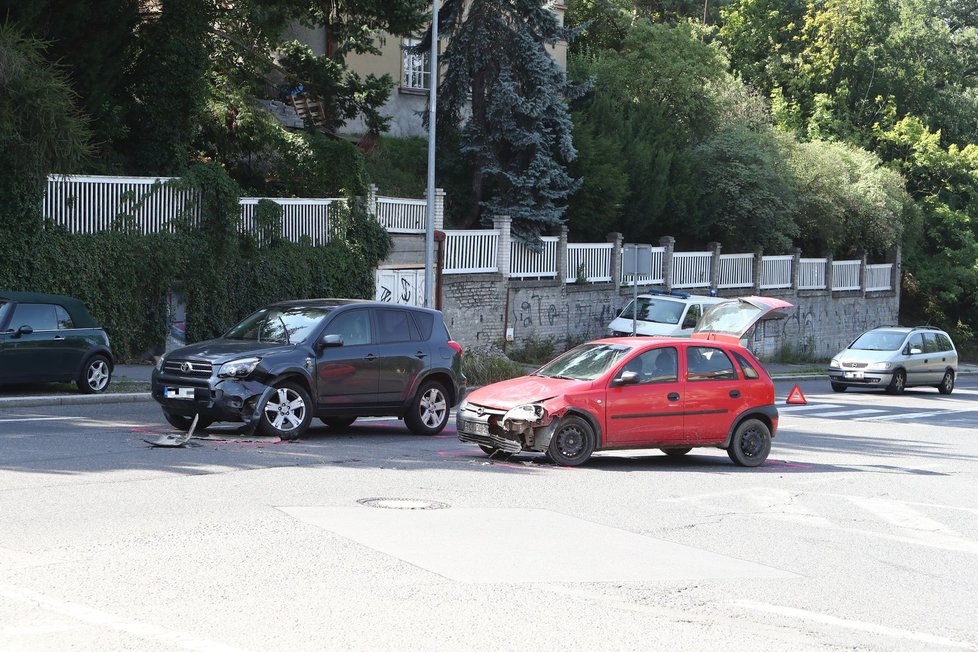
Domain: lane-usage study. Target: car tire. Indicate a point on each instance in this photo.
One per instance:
(898, 383)
(676, 452)
(337, 423)
(572, 442)
(947, 383)
(181, 422)
(429, 409)
(287, 413)
(95, 375)
(750, 444)
(839, 387)
(496, 453)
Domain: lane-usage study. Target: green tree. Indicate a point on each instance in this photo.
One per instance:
(848, 201)
(41, 129)
(169, 87)
(664, 92)
(744, 192)
(519, 134)
(92, 41)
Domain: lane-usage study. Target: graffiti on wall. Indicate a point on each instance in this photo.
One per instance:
(544, 315)
(402, 286)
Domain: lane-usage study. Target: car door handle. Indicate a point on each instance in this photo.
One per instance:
(420, 355)
(59, 338)
(672, 396)
(371, 357)
(734, 393)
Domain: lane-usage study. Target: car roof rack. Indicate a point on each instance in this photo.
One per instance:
(671, 293)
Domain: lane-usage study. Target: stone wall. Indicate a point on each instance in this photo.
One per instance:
(483, 308)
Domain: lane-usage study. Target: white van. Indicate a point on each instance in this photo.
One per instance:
(662, 314)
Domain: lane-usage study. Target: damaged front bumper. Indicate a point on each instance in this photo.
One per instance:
(213, 399)
(525, 428)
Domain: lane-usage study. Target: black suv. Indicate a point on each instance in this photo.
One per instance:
(48, 338)
(336, 359)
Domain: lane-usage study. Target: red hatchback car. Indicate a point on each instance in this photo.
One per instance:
(637, 392)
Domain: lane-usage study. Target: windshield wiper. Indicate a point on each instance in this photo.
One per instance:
(285, 330)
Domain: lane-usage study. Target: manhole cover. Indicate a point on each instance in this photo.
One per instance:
(402, 503)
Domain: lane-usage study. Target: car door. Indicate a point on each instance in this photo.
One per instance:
(934, 358)
(649, 411)
(347, 376)
(38, 355)
(915, 360)
(403, 355)
(715, 394)
(75, 343)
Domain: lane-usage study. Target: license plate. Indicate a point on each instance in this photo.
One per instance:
(854, 374)
(475, 427)
(182, 393)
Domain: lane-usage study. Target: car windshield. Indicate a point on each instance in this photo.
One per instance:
(288, 325)
(879, 341)
(586, 362)
(660, 311)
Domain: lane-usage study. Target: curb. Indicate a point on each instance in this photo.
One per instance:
(39, 401)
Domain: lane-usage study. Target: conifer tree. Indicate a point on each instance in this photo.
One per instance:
(519, 131)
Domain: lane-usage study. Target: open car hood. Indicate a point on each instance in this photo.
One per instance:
(729, 321)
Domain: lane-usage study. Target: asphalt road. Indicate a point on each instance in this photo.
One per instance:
(860, 532)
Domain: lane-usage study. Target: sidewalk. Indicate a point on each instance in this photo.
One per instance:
(143, 373)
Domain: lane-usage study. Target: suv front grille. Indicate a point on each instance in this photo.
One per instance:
(188, 368)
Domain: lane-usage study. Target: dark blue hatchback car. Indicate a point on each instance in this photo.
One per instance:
(47, 338)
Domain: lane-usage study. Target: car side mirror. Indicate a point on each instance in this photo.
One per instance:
(330, 340)
(627, 378)
(24, 330)
(915, 351)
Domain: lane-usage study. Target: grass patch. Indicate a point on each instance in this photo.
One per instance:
(485, 367)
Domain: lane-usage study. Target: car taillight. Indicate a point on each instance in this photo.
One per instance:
(455, 345)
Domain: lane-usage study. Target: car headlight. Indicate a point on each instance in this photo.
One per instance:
(530, 413)
(880, 366)
(238, 368)
(835, 364)
(159, 363)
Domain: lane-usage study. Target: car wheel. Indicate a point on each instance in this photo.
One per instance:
(751, 443)
(898, 383)
(95, 375)
(947, 383)
(496, 453)
(675, 452)
(286, 414)
(181, 422)
(839, 387)
(572, 443)
(338, 423)
(429, 410)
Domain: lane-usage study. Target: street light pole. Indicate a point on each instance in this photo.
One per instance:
(429, 237)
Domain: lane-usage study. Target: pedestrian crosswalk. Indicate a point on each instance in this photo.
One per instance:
(959, 416)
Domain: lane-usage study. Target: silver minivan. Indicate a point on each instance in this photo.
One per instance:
(896, 357)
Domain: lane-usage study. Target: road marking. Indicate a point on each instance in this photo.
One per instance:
(39, 419)
(858, 625)
(849, 413)
(911, 415)
(810, 406)
(145, 631)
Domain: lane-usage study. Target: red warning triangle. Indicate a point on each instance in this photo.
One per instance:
(796, 397)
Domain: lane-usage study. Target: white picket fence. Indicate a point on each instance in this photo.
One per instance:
(87, 204)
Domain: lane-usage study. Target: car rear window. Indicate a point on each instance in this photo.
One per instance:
(425, 322)
(749, 371)
(708, 363)
(943, 339)
(64, 319)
